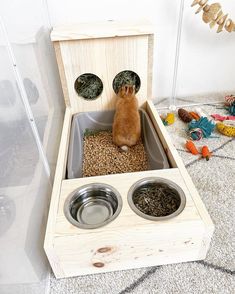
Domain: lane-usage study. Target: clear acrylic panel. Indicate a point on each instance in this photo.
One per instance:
(30, 94)
(24, 192)
(35, 60)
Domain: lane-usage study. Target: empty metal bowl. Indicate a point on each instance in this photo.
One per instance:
(142, 195)
(93, 206)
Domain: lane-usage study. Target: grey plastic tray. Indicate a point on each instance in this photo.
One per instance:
(102, 120)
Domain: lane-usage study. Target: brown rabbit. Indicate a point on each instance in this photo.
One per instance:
(126, 125)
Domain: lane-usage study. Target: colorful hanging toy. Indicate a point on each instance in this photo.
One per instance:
(206, 153)
(226, 129)
(169, 119)
(184, 115)
(195, 134)
(201, 128)
(229, 100)
(191, 147)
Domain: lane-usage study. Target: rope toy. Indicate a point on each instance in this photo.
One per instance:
(231, 108)
(201, 128)
(230, 103)
(196, 134)
(229, 99)
(169, 119)
(184, 115)
(226, 130)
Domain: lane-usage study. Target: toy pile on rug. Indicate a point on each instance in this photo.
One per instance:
(201, 125)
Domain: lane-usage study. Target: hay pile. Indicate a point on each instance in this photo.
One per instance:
(157, 199)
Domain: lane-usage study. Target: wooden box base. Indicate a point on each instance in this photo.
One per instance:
(129, 241)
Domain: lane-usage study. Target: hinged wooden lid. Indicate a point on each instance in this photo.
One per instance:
(104, 29)
(104, 49)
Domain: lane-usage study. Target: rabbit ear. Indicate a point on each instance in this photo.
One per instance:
(133, 89)
(126, 90)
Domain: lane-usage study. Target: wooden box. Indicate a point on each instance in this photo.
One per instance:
(129, 241)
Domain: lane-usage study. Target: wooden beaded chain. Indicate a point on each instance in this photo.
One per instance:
(214, 15)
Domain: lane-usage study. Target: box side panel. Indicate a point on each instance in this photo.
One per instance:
(176, 161)
(150, 66)
(132, 241)
(135, 247)
(126, 216)
(59, 176)
(62, 73)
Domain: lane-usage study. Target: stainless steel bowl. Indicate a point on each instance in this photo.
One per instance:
(146, 182)
(93, 206)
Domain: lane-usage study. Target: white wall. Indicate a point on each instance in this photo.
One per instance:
(206, 58)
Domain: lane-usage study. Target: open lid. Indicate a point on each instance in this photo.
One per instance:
(94, 59)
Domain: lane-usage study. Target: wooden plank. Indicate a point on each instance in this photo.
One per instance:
(132, 241)
(62, 73)
(176, 161)
(59, 176)
(104, 58)
(102, 29)
(63, 227)
(131, 248)
(150, 66)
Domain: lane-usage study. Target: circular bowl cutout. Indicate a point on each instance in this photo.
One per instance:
(88, 86)
(126, 77)
(93, 206)
(156, 199)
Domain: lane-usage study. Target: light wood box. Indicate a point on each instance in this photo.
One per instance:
(129, 241)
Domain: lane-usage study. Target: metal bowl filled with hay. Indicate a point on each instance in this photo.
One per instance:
(156, 199)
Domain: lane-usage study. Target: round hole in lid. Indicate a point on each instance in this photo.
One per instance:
(88, 86)
(126, 77)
